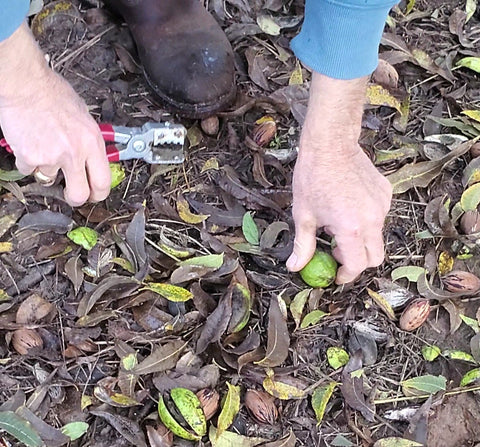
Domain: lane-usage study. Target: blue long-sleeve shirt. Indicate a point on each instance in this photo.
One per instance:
(339, 38)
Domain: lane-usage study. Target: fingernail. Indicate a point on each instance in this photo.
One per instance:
(292, 261)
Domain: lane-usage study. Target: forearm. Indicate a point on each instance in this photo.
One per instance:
(22, 66)
(333, 121)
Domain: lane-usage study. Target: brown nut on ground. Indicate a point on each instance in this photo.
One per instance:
(210, 125)
(264, 132)
(475, 149)
(23, 340)
(414, 315)
(209, 401)
(261, 406)
(470, 222)
(458, 281)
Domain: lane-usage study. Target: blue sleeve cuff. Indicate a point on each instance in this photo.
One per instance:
(340, 38)
(12, 15)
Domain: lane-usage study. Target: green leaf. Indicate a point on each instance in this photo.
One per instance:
(210, 261)
(230, 409)
(117, 174)
(74, 430)
(171, 293)
(470, 377)
(298, 304)
(342, 441)
(250, 229)
(411, 272)
(19, 428)
(190, 408)
(10, 176)
(471, 198)
(320, 398)
(396, 442)
(459, 355)
(430, 352)
(470, 62)
(268, 25)
(337, 357)
(170, 422)
(471, 322)
(312, 318)
(427, 384)
(470, 8)
(83, 236)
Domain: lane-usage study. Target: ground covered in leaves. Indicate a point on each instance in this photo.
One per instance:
(178, 280)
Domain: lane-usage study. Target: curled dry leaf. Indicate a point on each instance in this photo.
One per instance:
(34, 308)
(24, 340)
(470, 222)
(415, 315)
(261, 406)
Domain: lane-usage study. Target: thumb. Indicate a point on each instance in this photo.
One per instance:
(303, 247)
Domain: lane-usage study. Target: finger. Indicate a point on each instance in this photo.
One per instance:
(99, 178)
(304, 245)
(375, 250)
(351, 253)
(24, 168)
(77, 190)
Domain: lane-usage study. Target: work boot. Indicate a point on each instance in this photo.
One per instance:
(187, 58)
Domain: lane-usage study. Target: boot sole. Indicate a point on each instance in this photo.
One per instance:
(188, 110)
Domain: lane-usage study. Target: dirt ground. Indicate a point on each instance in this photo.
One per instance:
(106, 338)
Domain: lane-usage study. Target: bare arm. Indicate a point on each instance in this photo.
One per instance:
(47, 124)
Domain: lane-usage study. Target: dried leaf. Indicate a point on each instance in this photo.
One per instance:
(382, 303)
(231, 439)
(186, 215)
(268, 25)
(445, 263)
(46, 221)
(128, 428)
(422, 173)
(281, 390)
(278, 340)
(380, 96)
(33, 309)
(396, 442)
(241, 308)
(230, 409)
(73, 269)
(352, 387)
(135, 236)
(159, 437)
(161, 359)
(288, 441)
(320, 398)
(217, 322)
(471, 174)
(470, 8)
(87, 302)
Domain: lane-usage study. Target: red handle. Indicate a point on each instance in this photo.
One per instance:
(108, 134)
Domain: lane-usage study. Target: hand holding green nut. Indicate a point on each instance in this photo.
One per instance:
(320, 271)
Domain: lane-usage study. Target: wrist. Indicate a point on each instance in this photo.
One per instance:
(333, 121)
(23, 68)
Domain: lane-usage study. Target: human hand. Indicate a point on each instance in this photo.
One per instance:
(48, 125)
(335, 186)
